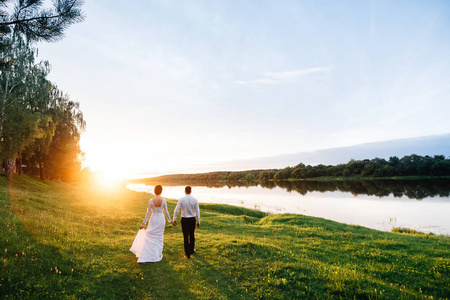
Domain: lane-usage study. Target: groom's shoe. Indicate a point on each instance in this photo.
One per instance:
(194, 251)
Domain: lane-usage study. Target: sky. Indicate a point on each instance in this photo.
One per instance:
(166, 86)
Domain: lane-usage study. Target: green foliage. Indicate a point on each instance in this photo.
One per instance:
(209, 179)
(267, 175)
(409, 165)
(37, 122)
(283, 174)
(59, 156)
(32, 22)
(20, 87)
(27, 118)
(69, 241)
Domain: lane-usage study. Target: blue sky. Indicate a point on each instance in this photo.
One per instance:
(167, 85)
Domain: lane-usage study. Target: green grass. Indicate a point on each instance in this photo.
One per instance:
(71, 241)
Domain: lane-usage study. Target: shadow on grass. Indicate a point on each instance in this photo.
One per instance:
(161, 281)
(31, 269)
(226, 285)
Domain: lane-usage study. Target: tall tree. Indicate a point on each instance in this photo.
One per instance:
(56, 154)
(44, 103)
(65, 155)
(23, 85)
(20, 84)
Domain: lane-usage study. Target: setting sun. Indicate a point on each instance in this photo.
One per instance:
(106, 180)
(111, 161)
(119, 156)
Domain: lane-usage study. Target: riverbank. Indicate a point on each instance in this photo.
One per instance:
(215, 181)
(62, 240)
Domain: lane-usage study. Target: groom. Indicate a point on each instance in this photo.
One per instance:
(189, 210)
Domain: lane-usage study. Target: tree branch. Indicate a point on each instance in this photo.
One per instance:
(28, 20)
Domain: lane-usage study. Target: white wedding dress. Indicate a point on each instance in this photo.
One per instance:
(148, 244)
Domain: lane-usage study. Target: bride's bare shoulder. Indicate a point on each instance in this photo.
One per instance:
(157, 201)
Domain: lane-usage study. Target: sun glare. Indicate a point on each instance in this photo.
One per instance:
(107, 180)
(112, 161)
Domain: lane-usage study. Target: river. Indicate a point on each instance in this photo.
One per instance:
(382, 205)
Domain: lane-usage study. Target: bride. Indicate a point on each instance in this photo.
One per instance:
(148, 244)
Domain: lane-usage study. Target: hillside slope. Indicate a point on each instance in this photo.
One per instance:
(71, 241)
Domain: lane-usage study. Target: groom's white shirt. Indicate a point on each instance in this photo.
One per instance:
(189, 208)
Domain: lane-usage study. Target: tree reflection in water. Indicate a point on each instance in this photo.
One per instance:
(413, 189)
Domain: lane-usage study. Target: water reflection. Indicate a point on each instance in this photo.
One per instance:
(377, 204)
(412, 189)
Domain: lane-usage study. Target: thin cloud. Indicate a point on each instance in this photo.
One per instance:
(284, 76)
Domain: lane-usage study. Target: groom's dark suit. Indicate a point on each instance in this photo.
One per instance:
(189, 210)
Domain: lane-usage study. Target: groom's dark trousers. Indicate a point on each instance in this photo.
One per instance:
(188, 227)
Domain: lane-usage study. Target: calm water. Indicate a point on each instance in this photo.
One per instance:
(382, 205)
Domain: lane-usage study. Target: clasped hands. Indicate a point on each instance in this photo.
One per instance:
(174, 223)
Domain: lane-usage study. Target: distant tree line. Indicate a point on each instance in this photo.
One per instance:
(211, 177)
(409, 165)
(39, 125)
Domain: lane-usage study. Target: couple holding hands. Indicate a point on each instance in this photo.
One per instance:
(148, 244)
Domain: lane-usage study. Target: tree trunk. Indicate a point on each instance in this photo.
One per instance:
(41, 171)
(9, 168)
(19, 165)
(3, 103)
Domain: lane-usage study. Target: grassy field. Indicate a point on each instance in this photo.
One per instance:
(71, 241)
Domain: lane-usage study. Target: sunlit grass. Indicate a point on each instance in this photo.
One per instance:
(71, 241)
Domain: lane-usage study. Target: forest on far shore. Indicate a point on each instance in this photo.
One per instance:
(409, 165)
